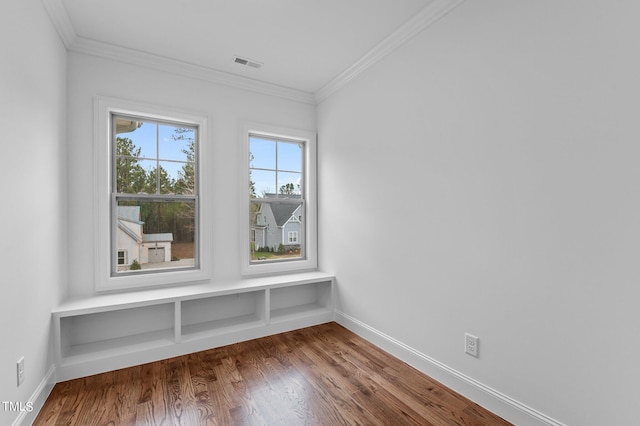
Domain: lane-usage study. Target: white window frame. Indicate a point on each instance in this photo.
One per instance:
(310, 260)
(104, 108)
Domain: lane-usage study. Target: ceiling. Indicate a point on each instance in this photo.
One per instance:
(303, 45)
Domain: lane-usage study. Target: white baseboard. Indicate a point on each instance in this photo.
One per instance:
(491, 399)
(38, 398)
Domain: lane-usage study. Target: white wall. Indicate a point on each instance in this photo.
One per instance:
(227, 109)
(503, 145)
(33, 187)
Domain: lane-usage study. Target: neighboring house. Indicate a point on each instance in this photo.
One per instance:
(277, 223)
(133, 244)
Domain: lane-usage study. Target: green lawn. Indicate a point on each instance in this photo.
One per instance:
(267, 255)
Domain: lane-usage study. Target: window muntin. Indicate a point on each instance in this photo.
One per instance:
(154, 208)
(277, 196)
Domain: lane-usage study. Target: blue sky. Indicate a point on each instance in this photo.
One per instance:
(275, 164)
(165, 149)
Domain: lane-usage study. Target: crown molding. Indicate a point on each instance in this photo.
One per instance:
(148, 60)
(421, 21)
(425, 18)
(60, 19)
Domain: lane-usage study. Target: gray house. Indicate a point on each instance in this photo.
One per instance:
(277, 223)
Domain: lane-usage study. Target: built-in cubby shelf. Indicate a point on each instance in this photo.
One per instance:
(85, 337)
(222, 314)
(291, 303)
(112, 331)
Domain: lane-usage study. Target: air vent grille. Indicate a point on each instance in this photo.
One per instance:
(247, 62)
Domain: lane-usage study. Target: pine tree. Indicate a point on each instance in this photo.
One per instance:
(131, 178)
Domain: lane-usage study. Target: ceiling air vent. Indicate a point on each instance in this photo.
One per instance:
(248, 62)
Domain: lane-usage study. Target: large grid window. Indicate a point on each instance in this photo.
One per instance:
(277, 199)
(154, 195)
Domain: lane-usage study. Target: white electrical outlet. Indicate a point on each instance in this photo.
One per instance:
(471, 345)
(20, 370)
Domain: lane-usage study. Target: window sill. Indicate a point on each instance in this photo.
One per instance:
(278, 268)
(179, 278)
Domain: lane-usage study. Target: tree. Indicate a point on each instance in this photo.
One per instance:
(254, 208)
(185, 184)
(161, 176)
(131, 178)
(252, 184)
(287, 189)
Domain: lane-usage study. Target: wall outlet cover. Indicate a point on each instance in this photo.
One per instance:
(471, 345)
(20, 371)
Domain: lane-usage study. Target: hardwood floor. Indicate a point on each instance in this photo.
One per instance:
(322, 375)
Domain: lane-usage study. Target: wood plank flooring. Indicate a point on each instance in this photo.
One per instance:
(321, 375)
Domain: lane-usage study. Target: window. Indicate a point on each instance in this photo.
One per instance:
(150, 230)
(276, 191)
(293, 237)
(154, 193)
(280, 179)
(122, 257)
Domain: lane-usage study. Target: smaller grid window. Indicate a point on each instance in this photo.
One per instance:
(277, 199)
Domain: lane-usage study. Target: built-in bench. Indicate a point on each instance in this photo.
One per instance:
(112, 331)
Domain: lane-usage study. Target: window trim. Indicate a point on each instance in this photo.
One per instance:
(104, 108)
(309, 261)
